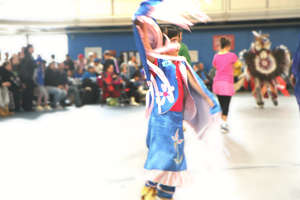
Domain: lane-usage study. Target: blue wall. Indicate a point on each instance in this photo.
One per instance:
(108, 41)
(200, 40)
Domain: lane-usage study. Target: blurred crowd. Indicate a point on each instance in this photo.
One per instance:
(29, 84)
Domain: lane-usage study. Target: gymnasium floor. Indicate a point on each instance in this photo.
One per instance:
(95, 152)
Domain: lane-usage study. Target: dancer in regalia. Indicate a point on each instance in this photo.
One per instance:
(176, 94)
(265, 68)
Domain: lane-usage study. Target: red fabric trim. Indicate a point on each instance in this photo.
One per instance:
(178, 106)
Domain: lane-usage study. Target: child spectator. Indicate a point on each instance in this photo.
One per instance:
(112, 83)
(41, 89)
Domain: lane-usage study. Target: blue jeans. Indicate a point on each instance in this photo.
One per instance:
(58, 94)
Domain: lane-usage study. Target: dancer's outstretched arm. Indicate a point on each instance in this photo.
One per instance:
(196, 87)
(142, 28)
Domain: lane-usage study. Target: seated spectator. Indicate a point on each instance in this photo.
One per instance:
(79, 73)
(15, 62)
(112, 83)
(4, 99)
(13, 84)
(63, 81)
(53, 85)
(124, 73)
(137, 89)
(132, 66)
(109, 59)
(90, 74)
(73, 91)
(80, 63)
(4, 94)
(41, 90)
(69, 63)
(90, 59)
(90, 88)
(133, 86)
(199, 69)
(66, 67)
(98, 66)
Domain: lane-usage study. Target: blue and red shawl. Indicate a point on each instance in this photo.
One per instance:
(296, 73)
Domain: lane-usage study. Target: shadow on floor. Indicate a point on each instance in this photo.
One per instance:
(30, 115)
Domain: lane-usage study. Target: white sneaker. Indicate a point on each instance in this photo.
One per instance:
(39, 108)
(133, 103)
(48, 108)
(224, 128)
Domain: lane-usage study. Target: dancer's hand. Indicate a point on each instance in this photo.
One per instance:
(210, 103)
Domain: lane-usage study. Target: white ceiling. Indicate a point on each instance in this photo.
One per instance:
(30, 14)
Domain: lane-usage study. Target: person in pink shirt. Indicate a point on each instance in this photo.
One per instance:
(223, 85)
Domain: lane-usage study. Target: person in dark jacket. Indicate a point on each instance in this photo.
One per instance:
(14, 86)
(63, 82)
(28, 66)
(73, 89)
(62, 76)
(90, 74)
(109, 59)
(69, 63)
(90, 94)
(54, 85)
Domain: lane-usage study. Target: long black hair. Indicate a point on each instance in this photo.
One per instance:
(170, 31)
(26, 51)
(224, 42)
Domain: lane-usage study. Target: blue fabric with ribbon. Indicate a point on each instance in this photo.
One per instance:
(296, 72)
(144, 9)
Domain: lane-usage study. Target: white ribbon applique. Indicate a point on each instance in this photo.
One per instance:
(177, 142)
(166, 93)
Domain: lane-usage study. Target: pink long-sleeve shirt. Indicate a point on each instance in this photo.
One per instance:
(223, 81)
